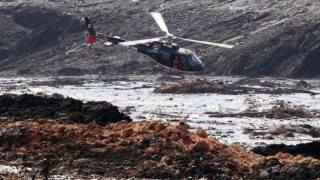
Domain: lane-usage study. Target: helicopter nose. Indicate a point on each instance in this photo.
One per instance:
(198, 67)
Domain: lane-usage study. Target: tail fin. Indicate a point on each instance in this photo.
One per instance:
(92, 32)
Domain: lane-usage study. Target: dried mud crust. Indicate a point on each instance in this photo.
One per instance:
(148, 149)
(220, 88)
(58, 108)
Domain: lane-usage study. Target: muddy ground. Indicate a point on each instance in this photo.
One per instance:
(203, 86)
(40, 146)
(58, 108)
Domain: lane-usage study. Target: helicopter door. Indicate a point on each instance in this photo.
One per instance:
(165, 59)
(184, 63)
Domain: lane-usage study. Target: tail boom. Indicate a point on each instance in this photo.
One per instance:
(93, 35)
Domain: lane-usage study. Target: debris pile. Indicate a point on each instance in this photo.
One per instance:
(42, 147)
(279, 111)
(58, 108)
(157, 147)
(148, 149)
(220, 88)
(307, 149)
(303, 85)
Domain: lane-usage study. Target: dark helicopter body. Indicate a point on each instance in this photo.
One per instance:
(162, 50)
(165, 55)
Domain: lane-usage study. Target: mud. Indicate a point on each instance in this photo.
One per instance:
(147, 149)
(308, 149)
(58, 108)
(40, 144)
(221, 88)
(280, 111)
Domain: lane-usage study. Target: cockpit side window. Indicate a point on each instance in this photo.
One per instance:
(184, 59)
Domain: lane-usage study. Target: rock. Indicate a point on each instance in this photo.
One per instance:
(202, 133)
(166, 159)
(127, 133)
(289, 135)
(159, 127)
(174, 137)
(302, 85)
(183, 128)
(314, 132)
(68, 163)
(21, 150)
(200, 146)
(151, 150)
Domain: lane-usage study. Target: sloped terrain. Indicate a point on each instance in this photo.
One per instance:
(272, 38)
(148, 149)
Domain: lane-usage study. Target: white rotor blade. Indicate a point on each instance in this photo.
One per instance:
(208, 43)
(142, 41)
(159, 20)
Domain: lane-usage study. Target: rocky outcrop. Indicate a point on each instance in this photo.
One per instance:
(56, 107)
(271, 38)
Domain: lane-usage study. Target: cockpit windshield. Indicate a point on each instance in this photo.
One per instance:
(194, 63)
(193, 60)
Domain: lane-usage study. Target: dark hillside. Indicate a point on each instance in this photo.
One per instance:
(272, 38)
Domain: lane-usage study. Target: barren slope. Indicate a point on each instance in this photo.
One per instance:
(274, 38)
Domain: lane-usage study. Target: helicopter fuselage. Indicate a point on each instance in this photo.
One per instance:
(165, 53)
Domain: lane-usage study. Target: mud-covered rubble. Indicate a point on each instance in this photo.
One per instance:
(307, 149)
(300, 85)
(148, 149)
(221, 88)
(57, 108)
(280, 111)
(38, 143)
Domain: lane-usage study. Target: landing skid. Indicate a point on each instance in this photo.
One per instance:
(176, 76)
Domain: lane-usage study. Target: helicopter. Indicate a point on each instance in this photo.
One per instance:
(161, 49)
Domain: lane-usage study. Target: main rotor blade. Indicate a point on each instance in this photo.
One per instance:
(142, 41)
(208, 43)
(159, 20)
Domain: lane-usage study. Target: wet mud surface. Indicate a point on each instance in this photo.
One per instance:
(233, 89)
(40, 147)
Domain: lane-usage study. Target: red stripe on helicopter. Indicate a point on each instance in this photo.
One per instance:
(91, 39)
